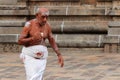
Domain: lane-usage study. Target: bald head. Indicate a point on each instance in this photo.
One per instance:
(42, 11)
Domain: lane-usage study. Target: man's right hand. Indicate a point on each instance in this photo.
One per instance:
(36, 38)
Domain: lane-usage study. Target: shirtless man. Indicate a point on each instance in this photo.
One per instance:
(33, 37)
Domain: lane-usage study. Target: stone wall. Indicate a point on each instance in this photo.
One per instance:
(75, 23)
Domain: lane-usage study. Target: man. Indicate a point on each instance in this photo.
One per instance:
(34, 52)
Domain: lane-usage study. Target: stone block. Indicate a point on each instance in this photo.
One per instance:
(58, 11)
(114, 24)
(71, 11)
(79, 27)
(114, 48)
(14, 12)
(105, 5)
(52, 10)
(77, 11)
(13, 7)
(106, 48)
(114, 13)
(11, 23)
(10, 47)
(9, 38)
(104, 0)
(110, 39)
(10, 30)
(56, 0)
(111, 48)
(88, 2)
(56, 26)
(66, 40)
(77, 40)
(114, 31)
(8, 2)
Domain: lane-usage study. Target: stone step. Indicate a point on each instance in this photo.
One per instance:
(12, 23)
(114, 31)
(8, 2)
(13, 7)
(74, 10)
(79, 26)
(70, 40)
(104, 0)
(114, 24)
(55, 0)
(14, 12)
(72, 51)
(67, 11)
(7, 27)
(114, 12)
(70, 11)
(10, 30)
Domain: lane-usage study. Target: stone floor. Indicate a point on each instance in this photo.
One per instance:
(101, 66)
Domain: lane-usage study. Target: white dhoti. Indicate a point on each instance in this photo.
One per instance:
(34, 67)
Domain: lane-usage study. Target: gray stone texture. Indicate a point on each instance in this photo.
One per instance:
(56, 0)
(114, 24)
(11, 23)
(114, 31)
(14, 12)
(8, 2)
(104, 0)
(10, 38)
(75, 23)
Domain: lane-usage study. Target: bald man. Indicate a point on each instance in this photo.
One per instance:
(34, 53)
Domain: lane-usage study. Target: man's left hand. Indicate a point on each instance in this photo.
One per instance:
(60, 60)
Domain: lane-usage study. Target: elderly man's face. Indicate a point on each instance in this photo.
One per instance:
(42, 18)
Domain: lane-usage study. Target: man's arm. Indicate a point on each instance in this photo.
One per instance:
(55, 47)
(23, 40)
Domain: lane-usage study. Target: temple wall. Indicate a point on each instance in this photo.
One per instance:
(75, 23)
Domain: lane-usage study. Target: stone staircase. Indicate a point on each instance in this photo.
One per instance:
(85, 25)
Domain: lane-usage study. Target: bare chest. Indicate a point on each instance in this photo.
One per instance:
(42, 31)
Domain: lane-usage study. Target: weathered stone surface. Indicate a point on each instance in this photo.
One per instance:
(72, 11)
(78, 40)
(105, 5)
(13, 7)
(114, 48)
(8, 2)
(56, 0)
(11, 23)
(78, 27)
(106, 48)
(10, 30)
(7, 27)
(110, 39)
(104, 0)
(73, 40)
(9, 38)
(114, 24)
(88, 2)
(114, 12)
(77, 11)
(52, 10)
(14, 12)
(114, 31)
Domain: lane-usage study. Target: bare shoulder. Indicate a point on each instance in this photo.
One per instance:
(48, 24)
(28, 23)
